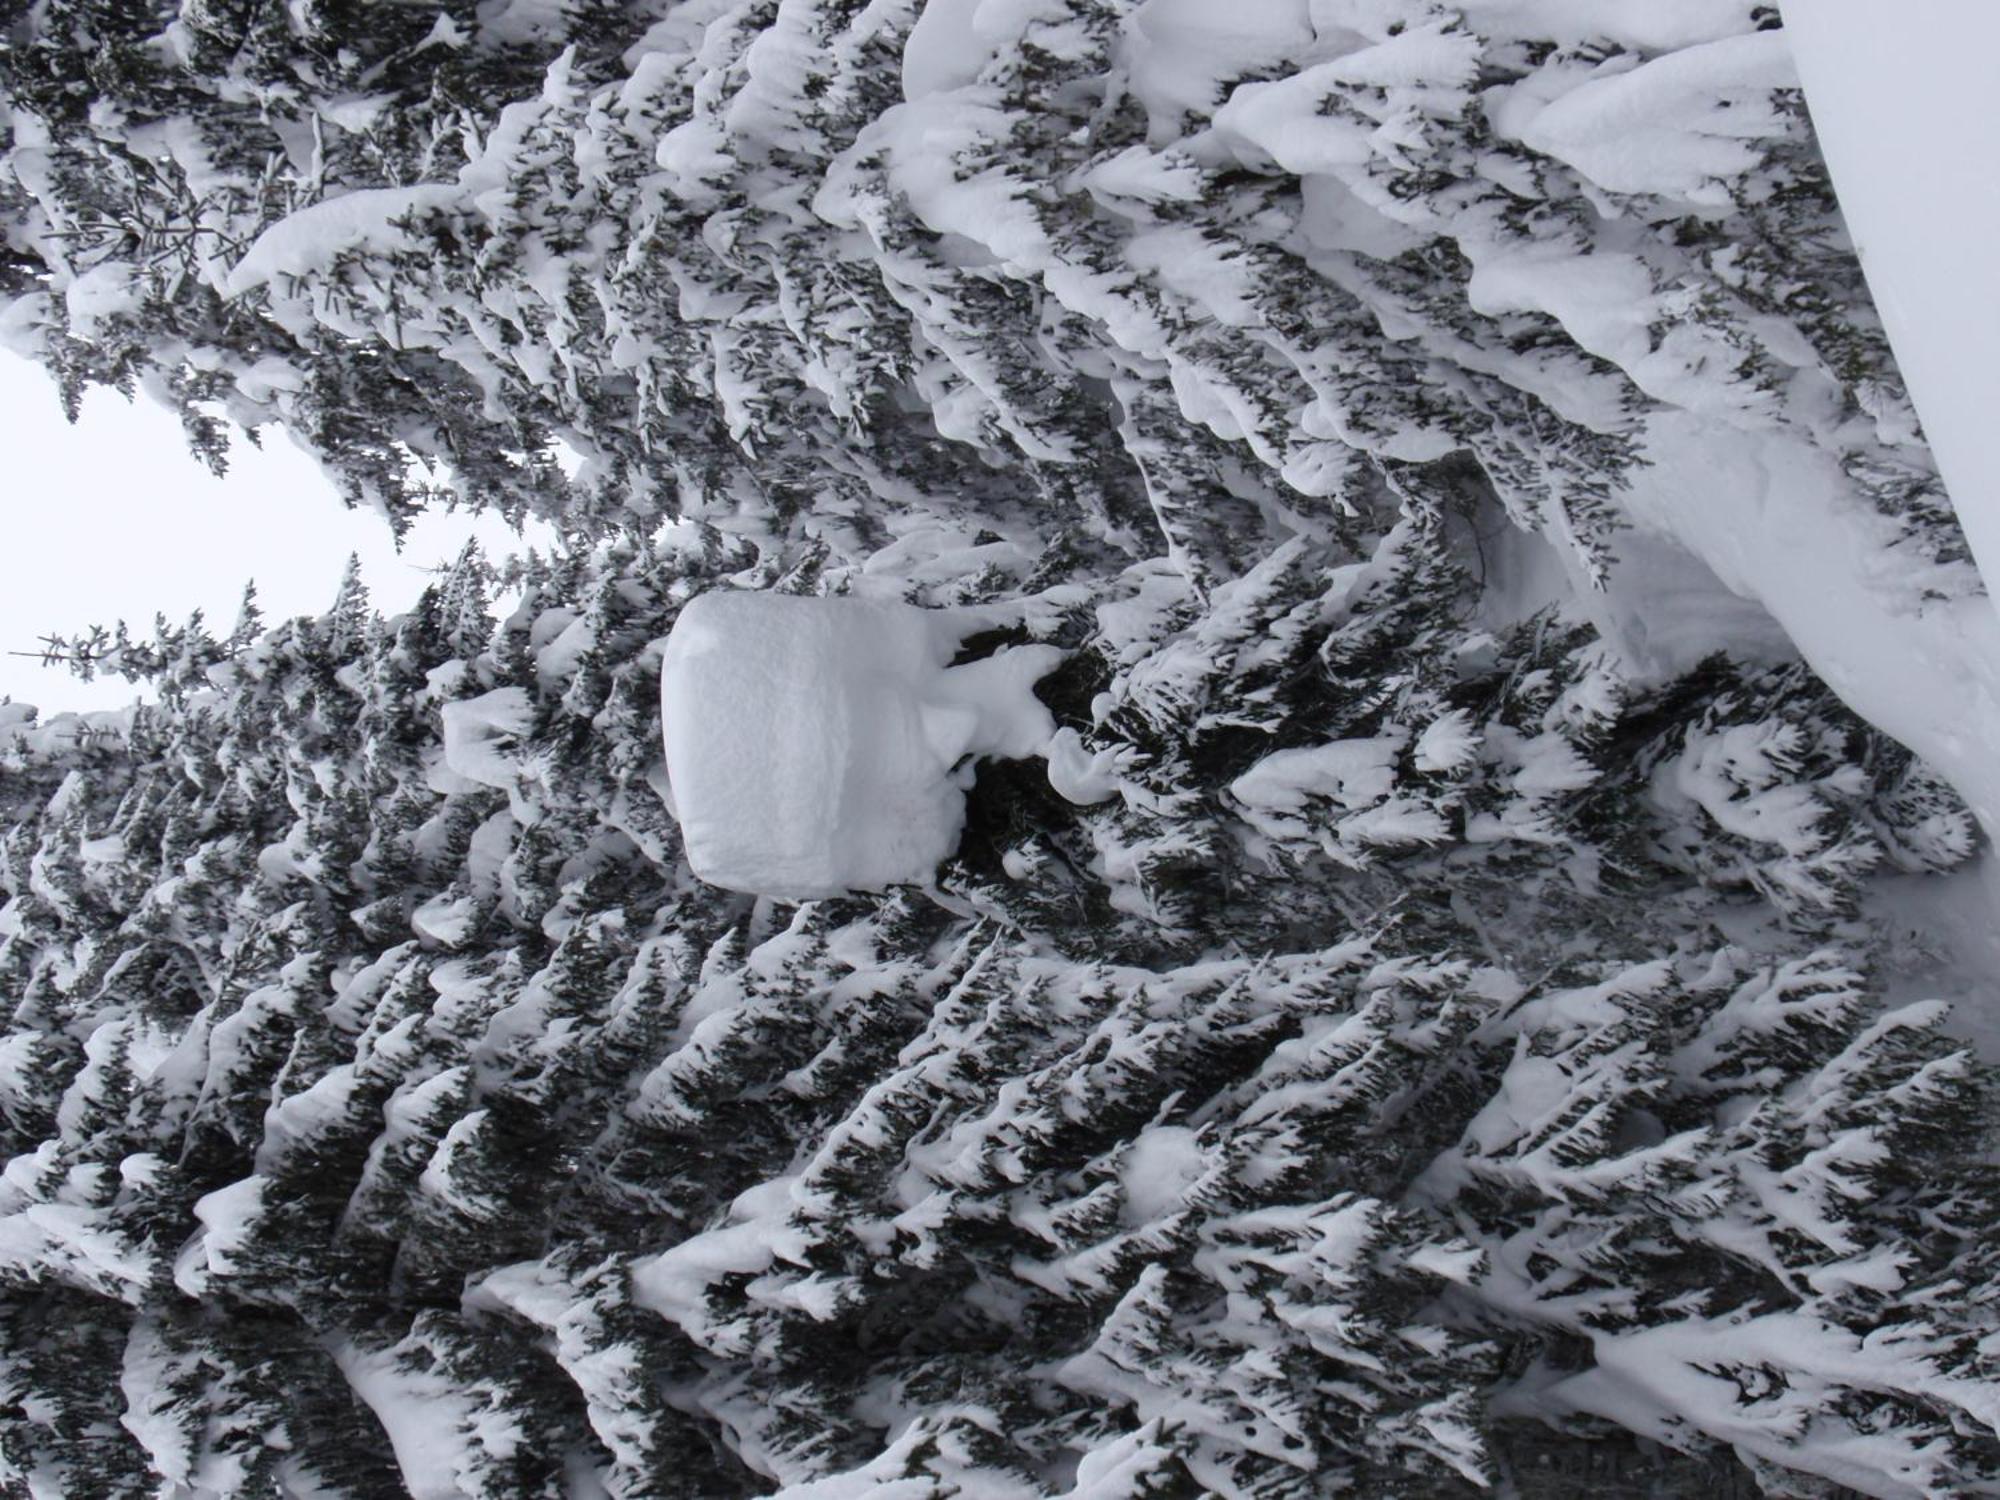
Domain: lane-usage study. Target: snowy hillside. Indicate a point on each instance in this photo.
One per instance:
(1256, 766)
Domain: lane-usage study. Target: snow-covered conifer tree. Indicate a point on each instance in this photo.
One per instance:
(1422, 1026)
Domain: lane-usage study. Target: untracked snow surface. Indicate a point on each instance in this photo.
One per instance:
(815, 746)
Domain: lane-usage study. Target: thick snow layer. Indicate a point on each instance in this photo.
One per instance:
(308, 240)
(756, 1233)
(1685, 1367)
(1176, 50)
(480, 732)
(227, 1216)
(814, 746)
(1775, 519)
(1163, 1162)
(1641, 25)
(1660, 607)
(1680, 124)
(420, 1414)
(945, 50)
(103, 292)
(1902, 102)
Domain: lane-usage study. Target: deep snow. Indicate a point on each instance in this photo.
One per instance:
(1777, 523)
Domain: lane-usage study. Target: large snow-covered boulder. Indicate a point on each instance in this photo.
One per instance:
(816, 746)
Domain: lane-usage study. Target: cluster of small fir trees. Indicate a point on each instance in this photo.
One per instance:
(724, 259)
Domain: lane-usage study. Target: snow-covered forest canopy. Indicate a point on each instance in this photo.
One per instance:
(1443, 1018)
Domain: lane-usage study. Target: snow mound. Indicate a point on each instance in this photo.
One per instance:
(817, 746)
(480, 733)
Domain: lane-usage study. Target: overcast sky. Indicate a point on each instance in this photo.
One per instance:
(112, 518)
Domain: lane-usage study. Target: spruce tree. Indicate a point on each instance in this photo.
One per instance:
(1408, 1038)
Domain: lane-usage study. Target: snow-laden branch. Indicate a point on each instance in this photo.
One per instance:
(1901, 100)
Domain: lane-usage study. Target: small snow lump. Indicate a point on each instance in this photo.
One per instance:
(814, 746)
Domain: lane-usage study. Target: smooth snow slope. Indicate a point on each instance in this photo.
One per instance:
(1902, 101)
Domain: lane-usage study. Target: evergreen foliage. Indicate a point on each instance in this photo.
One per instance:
(1442, 1038)
(1369, 1075)
(721, 257)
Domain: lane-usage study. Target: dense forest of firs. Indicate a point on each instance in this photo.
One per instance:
(1459, 1057)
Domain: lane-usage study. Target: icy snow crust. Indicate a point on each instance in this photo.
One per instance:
(814, 746)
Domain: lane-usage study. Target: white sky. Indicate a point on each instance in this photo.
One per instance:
(113, 518)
